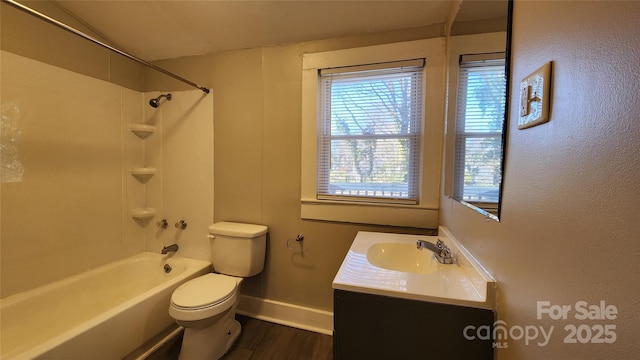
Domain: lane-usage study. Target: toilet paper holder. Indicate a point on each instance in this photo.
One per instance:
(299, 239)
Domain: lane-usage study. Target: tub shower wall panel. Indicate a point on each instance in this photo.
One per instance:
(104, 313)
(152, 157)
(181, 150)
(66, 213)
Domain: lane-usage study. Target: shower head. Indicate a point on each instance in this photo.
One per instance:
(156, 102)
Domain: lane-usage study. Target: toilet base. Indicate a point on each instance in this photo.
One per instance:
(211, 342)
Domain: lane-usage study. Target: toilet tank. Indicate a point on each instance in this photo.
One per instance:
(238, 249)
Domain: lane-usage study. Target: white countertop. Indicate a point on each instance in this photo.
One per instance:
(464, 283)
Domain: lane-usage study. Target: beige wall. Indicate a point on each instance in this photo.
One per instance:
(28, 36)
(570, 224)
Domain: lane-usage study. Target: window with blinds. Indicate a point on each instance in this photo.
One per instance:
(479, 123)
(370, 132)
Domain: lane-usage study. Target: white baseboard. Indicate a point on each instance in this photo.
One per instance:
(287, 314)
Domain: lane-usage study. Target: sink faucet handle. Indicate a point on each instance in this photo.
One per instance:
(446, 252)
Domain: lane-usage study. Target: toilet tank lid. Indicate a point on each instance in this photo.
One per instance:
(226, 228)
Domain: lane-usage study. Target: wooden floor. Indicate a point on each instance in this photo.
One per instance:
(262, 340)
(265, 340)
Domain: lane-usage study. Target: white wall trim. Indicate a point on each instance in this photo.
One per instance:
(297, 316)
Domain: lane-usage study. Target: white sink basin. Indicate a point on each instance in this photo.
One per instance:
(391, 265)
(402, 257)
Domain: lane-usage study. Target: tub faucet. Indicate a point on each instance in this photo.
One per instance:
(170, 248)
(441, 251)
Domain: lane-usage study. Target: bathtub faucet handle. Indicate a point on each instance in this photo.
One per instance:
(162, 224)
(170, 248)
(181, 225)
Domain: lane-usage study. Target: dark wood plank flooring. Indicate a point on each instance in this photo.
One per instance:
(263, 340)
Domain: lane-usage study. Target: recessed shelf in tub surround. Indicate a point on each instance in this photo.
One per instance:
(142, 130)
(143, 173)
(143, 213)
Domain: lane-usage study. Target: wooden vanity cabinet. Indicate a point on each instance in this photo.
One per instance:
(379, 327)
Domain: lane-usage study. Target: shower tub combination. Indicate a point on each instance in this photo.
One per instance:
(104, 313)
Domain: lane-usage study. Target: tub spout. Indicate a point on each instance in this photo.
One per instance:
(170, 248)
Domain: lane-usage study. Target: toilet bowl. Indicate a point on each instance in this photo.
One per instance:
(206, 306)
(204, 297)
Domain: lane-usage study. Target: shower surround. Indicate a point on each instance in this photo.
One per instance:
(71, 211)
(67, 213)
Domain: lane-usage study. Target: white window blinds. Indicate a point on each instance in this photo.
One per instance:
(369, 132)
(479, 123)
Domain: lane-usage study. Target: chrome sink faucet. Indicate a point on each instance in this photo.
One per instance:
(441, 251)
(170, 248)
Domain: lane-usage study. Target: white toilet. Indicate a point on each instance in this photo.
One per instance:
(206, 306)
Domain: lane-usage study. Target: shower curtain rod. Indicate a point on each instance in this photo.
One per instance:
(64, 26)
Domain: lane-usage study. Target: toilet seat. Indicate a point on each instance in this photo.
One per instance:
(203, 297)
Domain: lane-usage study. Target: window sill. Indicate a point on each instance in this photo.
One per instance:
(366, 213)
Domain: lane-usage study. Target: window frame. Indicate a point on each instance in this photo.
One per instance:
(424, 214)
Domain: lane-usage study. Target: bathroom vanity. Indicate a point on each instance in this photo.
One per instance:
(394, 301)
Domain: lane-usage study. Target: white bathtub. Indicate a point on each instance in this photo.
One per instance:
(104, 313)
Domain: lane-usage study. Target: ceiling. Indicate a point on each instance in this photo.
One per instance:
(163, 29)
